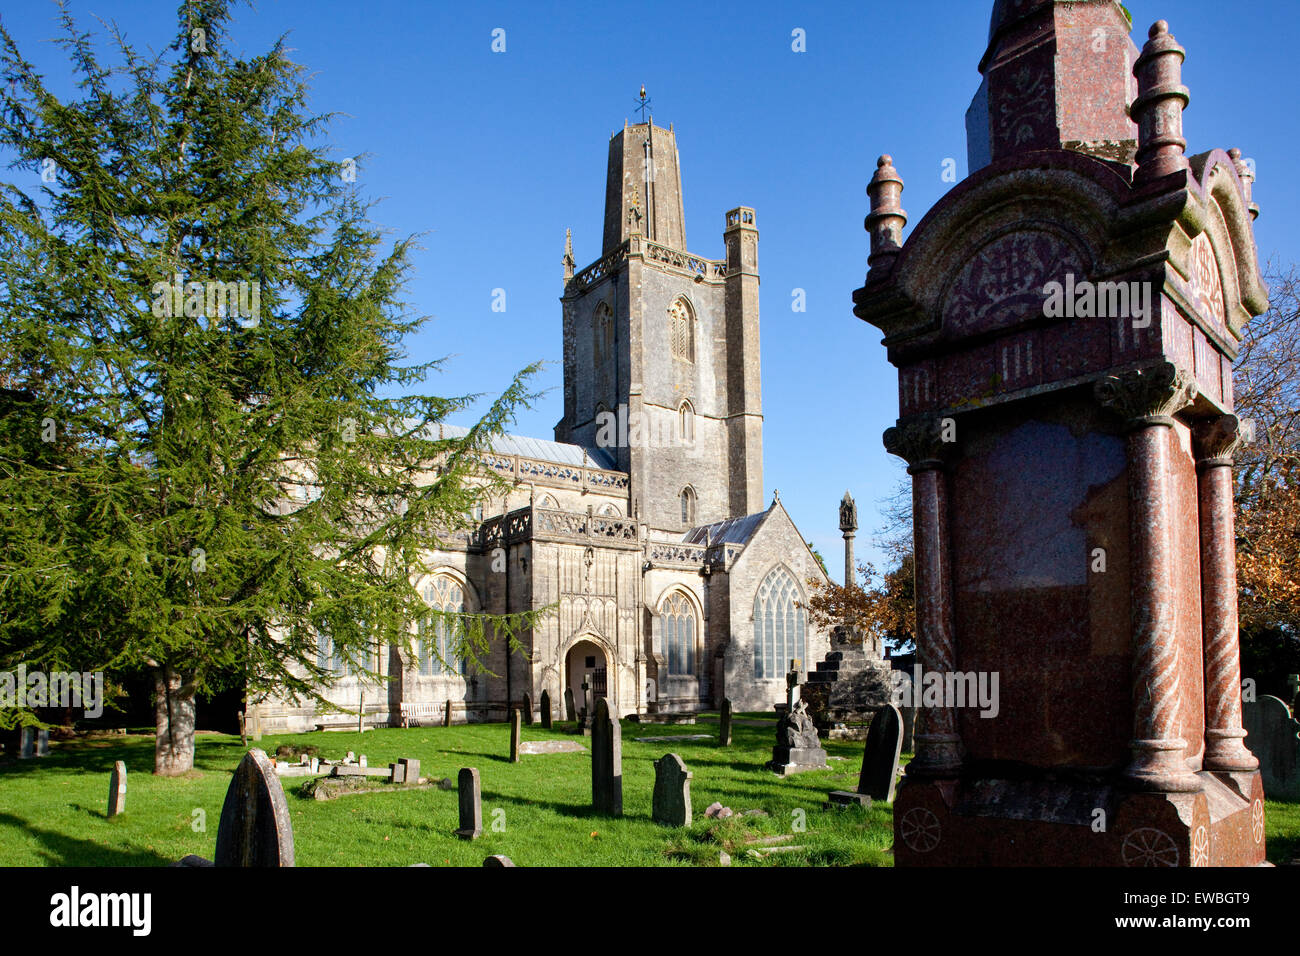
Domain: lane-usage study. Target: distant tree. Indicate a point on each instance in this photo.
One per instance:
(1267, 393)
(203, 468)
(880, 605)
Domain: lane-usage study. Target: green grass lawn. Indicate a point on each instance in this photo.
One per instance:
(537, 812)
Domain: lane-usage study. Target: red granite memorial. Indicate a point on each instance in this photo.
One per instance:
(1064, 322)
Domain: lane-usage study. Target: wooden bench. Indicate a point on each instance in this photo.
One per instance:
(415, 712)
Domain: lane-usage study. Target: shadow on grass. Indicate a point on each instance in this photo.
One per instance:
(63, 850)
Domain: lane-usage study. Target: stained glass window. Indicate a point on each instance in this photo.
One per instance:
(678, 622)
(779, 624)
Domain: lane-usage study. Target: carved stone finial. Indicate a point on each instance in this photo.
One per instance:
(886, 221)
(568, 260)
(1247, 176)
(1158, 109)
(1216, 440)
(1150, 395)
(848, 514)
(921, 443)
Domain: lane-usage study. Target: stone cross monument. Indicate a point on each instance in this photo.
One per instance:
(1064, 323)
(849, 527)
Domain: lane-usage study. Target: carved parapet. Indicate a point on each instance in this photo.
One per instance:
(924, 443)
(1158, 109)
(886, 221)
(1246, 174)
(1217, 440)
(1149, 395)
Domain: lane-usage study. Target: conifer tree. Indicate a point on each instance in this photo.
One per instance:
(202, 464)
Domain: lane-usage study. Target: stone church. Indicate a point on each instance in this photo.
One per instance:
(644, 521)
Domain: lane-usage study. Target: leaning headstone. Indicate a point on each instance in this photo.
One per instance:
(397, 773)
(1271, 735)
(516, 733)
(570, 712)
(28, 741)
(880, 755)
(528, 709)
(546, 710)
(117, 790)
(255, 829)
(446, 714)
(471, 804)
(606, 762)
(672, 794)
(497, 860)
(724, 724)
(410, 771)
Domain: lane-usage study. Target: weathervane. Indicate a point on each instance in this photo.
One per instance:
(644, 103)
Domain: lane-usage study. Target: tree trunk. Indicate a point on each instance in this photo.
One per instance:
(174, 716)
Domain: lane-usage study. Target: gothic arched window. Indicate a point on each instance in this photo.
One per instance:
(686, 423)
(677, 620)
(330, 656)
(688, 505)
(681, 319)
(437, 634)
(602, 334)
(779, 624)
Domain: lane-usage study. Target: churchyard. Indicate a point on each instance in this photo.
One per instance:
(537, 812)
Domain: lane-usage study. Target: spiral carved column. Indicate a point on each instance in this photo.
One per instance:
(921, 444)
(1215, 441)
(1147, 399)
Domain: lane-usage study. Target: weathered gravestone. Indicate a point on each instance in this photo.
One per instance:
(397, 773)
(570, 712)
(879, 762)
(255, 828)
(1066, 318)
(516, 733)
(880, 755)
(606, 762)
(471, 804)
(27, 743)
(410, 771)
(1271, 736)
(797, 745)
(724, 724)
(446, 714)
(497, 860)
(42, 743)
(117, 790)
(584, 715)
(528, 709)
(546, 710)
(672, 794)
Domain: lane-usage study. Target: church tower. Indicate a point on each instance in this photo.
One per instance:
(661, 347)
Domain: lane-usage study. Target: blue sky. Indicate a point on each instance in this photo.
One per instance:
(491, 156)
